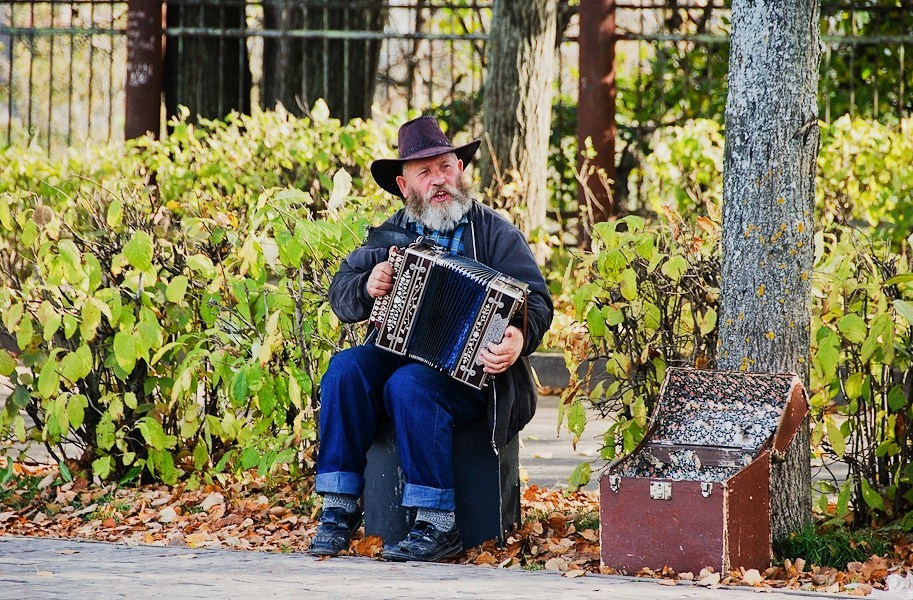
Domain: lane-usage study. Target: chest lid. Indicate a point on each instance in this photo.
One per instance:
(727, 409)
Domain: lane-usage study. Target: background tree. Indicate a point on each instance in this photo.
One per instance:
(207, 74)
(297, 71)
(517, 106)
(768, 207)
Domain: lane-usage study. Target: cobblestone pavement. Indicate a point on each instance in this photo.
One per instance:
(42, 569)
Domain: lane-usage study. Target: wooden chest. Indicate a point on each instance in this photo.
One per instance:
(695, 492)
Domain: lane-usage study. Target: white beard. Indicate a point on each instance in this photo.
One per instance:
(436, 216)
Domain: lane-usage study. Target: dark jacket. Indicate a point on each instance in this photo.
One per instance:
(494, 241)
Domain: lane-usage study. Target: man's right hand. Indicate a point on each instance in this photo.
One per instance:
(380, 283)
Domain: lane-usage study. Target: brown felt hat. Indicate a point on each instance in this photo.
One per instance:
(418, 138)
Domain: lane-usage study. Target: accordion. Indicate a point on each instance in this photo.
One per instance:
(444, 309)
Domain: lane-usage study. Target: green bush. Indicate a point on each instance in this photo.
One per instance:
(170, 301)
(865, 174)
(862, 368)
(648, 297)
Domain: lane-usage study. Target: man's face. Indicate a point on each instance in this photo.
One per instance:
(435, 191)
(429, 176)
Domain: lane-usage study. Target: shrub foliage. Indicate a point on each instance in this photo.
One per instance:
(169, 302)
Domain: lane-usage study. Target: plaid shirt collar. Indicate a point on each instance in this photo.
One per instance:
(452, 240)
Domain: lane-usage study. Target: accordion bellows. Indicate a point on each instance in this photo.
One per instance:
(444, 309)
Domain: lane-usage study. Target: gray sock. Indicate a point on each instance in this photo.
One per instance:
(344, 501)
(443, 520)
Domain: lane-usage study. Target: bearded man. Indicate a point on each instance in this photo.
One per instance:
(365, 384)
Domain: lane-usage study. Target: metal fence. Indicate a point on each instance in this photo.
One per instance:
(63, 64)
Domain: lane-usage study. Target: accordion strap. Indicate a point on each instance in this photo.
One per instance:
(389, 235)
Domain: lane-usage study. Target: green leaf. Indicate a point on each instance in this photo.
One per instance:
(48, 379)
(904, 309)
(202, 265)
(70, 254)
(827, 356)
(91, 319)
(104, 432)
(76, 410)
(576, 420)
(249, 458)
(7, 363)
(896, 398)
(675, 267)
(200, 456)
(69, 326)
(629, 284)
(580, 477)
(20, 396)
(125, 350)
(177, 289)
(7, 472)
(138, 251)
(162, 463)
(220, 466)
(595, 323)
(853, 386)
(871, 497)
(902, 278)
(853, 327)
(65, 472)
(239, 387)
(267, 397)
(152, 432)
(51, 326)
(101, 467)
(838, 443)
(114, 215)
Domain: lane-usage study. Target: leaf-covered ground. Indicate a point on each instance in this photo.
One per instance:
(560, 531)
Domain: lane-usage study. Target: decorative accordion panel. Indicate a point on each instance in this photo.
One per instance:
(444, 309)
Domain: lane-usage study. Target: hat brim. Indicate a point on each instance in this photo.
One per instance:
(386, 170)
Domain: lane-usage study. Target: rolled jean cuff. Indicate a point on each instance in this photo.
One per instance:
(339, 482)
(420, 496)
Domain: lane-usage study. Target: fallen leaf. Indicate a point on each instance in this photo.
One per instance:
(710, 579)
(167, 515)
(555, 564)
(212, 500)
(590, 535)
(752, 577)
(195, 540)
(574, 573)
(666, 582)
(371, 546)
(485, 558)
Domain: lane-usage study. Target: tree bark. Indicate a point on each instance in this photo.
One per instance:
(517, 110)
(207, 74)
(296, 71)
(768, 218)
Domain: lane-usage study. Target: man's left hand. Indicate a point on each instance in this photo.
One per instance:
(497, 358)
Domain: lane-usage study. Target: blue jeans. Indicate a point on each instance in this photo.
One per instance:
(364, 385)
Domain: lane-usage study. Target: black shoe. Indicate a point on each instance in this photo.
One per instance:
(334, 530)
(425, 543)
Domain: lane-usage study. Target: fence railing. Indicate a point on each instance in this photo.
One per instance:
(63, 64)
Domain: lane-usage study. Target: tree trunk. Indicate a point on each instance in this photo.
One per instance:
(768, 204)
(517, 110)
(207, 74)
(296, 71)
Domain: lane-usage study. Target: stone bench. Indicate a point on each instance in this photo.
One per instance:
(487, 486)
